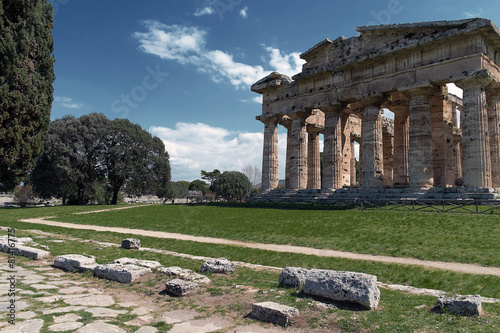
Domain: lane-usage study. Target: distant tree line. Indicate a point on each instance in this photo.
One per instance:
(92, 158)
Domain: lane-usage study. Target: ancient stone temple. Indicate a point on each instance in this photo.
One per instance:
(435, 140)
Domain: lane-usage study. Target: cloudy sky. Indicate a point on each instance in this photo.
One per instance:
(182, 69)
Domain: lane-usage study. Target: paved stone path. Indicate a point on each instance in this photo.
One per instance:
(65, 301)
(456, 267)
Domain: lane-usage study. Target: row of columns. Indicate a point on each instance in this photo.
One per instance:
(413, 160)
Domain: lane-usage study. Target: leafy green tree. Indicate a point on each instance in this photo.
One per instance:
(210, 176)
(176, 190)
(232, 186)
(26, 92)
(198, 185)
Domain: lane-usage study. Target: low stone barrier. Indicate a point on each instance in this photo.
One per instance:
(461, 305)
(218, 266)
(25, 251)
(121, 273)
(343, 286)
(75, 262)
(178, 287)
(275, 313)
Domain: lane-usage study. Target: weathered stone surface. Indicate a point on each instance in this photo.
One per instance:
(120, 273)
(221, 266)
(63, 310)
(21, 250)
(184, 274)
(100, 328)
(91, 300)
(461, 305)
(70, 317)
(75, 262)
(147, 329)
(131, 243)
(63, 327)
(180, 287)
(28, 326)
(133, 261)
(275, 313)
(343, 286)
(105, 312)
(293, 277)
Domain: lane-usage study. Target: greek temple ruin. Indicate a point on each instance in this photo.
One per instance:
(436, 139)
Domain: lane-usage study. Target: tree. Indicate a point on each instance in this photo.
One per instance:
(24, 195)
(176, 190)
(210, 176)
(26, 92)
(232, 186)
(198, 185)
(253, 174)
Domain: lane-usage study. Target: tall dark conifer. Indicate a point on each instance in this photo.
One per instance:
(26, 92)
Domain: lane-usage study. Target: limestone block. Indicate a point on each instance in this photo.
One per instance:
(461, 305)
(21, 250)
(180, 287)
(221, 266)
(131, 243)
(343, 286)
(293, 277)
(275, 313)
(184, 274)
(120, 273)
(74, 262)
(138, 262)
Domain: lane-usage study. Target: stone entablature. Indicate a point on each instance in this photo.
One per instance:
(346, 83)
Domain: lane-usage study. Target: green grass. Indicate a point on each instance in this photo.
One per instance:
(464, 238)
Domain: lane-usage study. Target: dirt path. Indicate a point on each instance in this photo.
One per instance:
(456, 267)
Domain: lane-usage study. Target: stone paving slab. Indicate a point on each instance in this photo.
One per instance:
(63, 327)
(28, 326)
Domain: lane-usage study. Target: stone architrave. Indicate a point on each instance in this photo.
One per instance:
(298, 150)
(270, 167)
(373, 153)
(476, 162)
(493, 95)
(420, 135)
(332, 150)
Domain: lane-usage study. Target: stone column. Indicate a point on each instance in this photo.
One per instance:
(401, 143)
(373, 153)
(287, 123)
(420, 136)
(493, 96)
(298, 151)
(270, 170)
(313, 159)
(332, 150)
(476, 161)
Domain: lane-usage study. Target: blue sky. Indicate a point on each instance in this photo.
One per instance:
(183, 69)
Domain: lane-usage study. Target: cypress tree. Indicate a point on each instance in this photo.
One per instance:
(26, 92)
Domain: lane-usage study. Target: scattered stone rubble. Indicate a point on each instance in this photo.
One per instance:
(178, 287)
(16, 246)
(121, 273)
(218, 266)
(131, 243)
(275, 313)
(75, 262)
(293, 277)
(461, 305)
(133, 261)
(184, 274)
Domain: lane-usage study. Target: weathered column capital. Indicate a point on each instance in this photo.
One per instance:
(493, 90)
(372, 100)
(301, 114)
(479, 79)
(286, 122)
(269, 119)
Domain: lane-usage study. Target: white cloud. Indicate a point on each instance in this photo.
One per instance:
(186, 45)
(257, 99)
(204, 11)
(244, 12)
(196, 147)
(477, 13)
(67, 102)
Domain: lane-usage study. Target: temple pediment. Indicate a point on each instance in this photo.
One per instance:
(272, 80)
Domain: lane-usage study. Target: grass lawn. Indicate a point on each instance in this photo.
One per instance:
(464, 238)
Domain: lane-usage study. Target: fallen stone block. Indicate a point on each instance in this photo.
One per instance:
(461, 305)
(25, 251)
(138, 262)
(293, 277)
(131, 243)
(75, 262)
(180, 287)
(120, 273)
(184, 274)
(275, 313)
(218, 266)
(343, 286)
(16, 240)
